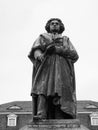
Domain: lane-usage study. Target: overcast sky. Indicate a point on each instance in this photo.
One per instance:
(21, 22)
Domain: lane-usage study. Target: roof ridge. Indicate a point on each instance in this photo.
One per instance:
(14, 102)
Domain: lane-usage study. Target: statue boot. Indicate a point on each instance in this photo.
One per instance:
(34, 104)
(41, 108)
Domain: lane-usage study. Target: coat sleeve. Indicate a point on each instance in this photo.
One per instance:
(36, 46)
(72, 53)
(69, 50)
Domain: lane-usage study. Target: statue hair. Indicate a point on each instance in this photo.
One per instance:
(47, 27)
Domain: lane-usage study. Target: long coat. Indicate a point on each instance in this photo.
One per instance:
(55, 74)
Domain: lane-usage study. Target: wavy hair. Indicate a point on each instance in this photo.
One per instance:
(47, 27)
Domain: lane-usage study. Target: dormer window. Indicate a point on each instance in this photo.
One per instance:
(91, 106)
(94, 119)
(14, 107)
(11, 120)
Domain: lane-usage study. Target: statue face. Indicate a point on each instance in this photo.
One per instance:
(54, 26)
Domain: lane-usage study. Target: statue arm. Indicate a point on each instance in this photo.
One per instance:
(67, 50)
(36, 50)
(71, 52)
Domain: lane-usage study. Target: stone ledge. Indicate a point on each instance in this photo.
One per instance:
(55, 124)
(73, 124)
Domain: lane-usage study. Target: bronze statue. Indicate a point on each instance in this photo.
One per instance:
(53, 80)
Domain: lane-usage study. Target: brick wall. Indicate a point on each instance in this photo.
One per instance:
(3, 122)
(94, 127)
(22, 120)
(86, 121)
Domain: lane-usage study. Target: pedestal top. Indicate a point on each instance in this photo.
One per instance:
(73, 124)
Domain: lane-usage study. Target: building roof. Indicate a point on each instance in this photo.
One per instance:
(87, 106)
(26, 106)
(18, 106)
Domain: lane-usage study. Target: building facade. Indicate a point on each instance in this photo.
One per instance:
(15, 115)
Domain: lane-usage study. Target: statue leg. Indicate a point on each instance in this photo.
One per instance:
(34, 104)
(42, 107)
(59, 114)
(51, 108)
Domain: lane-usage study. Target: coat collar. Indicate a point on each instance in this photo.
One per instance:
(54, 36)
(51, 36)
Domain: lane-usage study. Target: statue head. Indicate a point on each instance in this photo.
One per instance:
(54, 25)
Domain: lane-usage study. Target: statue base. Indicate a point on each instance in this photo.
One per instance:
(59, 124)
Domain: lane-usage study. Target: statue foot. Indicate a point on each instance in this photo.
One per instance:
(39, 117)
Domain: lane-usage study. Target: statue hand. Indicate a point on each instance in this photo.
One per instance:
(50, 49)
(38, 55)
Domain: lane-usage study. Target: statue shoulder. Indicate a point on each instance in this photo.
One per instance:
(46, 38)
(45, 35)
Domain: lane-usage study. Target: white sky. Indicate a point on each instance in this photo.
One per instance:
(21, 22)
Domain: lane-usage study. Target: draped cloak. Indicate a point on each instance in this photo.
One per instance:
(55, 74)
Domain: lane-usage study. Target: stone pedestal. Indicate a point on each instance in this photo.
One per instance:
(73, 124)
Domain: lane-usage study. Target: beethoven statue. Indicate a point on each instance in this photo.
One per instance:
(53, 80)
